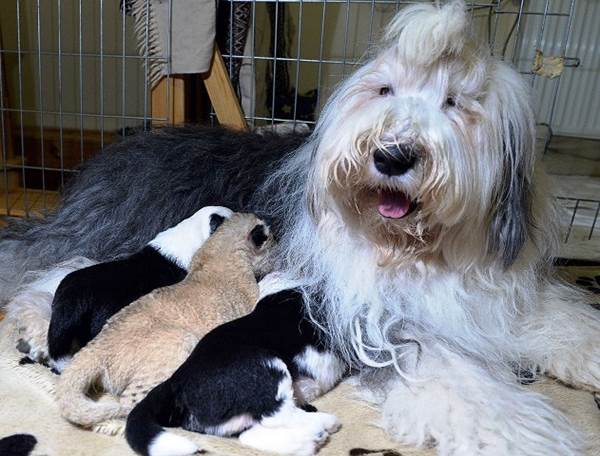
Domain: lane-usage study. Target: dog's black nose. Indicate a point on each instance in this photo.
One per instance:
(395, 159)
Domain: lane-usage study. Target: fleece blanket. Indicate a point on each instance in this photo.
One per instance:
(27, 406)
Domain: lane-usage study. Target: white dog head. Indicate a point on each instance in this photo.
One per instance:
(428, 149)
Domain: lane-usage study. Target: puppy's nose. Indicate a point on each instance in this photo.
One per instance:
(395, 159)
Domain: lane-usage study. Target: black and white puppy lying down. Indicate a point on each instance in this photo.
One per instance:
(87, 298)
(253, 376)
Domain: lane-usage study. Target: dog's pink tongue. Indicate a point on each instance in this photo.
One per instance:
(393, 205)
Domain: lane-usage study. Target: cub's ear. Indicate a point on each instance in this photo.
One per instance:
(216, 221)
(259, 235)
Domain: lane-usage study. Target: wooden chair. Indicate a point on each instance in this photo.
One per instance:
(169, 100)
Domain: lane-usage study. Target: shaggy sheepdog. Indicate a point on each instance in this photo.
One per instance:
(416, 219)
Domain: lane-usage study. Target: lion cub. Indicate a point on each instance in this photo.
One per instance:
(143, 344)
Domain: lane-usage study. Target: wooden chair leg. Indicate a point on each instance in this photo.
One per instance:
(168, 101)
(222, 96)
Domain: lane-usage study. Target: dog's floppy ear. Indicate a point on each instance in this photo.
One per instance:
(259, 235)
(511, 221)
(216, 220)
(514, 136)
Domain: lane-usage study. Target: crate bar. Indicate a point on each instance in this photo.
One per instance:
(41, 99)
(577, 201)
(146, 64)
(170, 87)
(253, 63)
(370, 39)
(298, 50)
(279, 119)
(534, 13)
(85, 114)
(231, 6)
(39, 168)
(81, 80)
(84, 54)
(60, 96)
(517, 32)
(563, 51)
(594, 222)
(20, 110)
(123, 67)
(540, 36)
(497, 11)
(4, 133)
(275, 46)
(102, 74)
(321, 50)
(293, 59)
(346, 27)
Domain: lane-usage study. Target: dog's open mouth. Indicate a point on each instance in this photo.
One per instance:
(394, 204)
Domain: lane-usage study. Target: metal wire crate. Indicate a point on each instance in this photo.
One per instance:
(72, 80)
(581, 238)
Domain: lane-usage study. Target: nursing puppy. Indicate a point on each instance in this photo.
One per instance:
(86, 298)
(144, 343)
(243, 377)
(30, 308)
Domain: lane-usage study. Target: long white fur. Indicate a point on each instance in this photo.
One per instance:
(30, 309)
(169, 444)
(436, 304)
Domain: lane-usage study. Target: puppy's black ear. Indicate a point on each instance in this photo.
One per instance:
(259, 235)
(216, 221)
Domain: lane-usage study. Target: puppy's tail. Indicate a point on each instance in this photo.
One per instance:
(144, 432)
(71, 393)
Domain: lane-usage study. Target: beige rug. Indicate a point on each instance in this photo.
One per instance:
(27, 406)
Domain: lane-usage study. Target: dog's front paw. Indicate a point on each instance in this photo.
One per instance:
(33, 343)
(580, 370)
(30, 319)
(496, 423)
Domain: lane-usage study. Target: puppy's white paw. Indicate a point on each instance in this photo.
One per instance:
(34, 343)
(293, 440)
(30, 313)
(326, 421)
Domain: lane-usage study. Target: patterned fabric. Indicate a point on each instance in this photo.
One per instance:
(232, 33)
(127, 6)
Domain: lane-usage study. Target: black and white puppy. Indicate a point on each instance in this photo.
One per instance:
(86, 298)
(242, 378)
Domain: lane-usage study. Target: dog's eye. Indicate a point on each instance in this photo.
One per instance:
(450, 102)
(385, 90)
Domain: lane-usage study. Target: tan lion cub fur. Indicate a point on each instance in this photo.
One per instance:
(144, 343)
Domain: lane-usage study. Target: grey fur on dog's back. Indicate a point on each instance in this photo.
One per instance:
(136, 188)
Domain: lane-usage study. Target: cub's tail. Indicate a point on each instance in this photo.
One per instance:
(72, 389)
(144, 432)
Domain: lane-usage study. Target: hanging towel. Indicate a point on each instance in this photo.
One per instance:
(191, 24)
